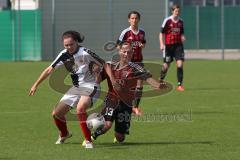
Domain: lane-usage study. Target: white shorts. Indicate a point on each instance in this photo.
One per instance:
(72, 96)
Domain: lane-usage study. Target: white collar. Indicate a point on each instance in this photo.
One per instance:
(175, 21)
(133, 31)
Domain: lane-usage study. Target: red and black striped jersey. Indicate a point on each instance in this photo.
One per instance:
(126, 77)
(136, 39)
(173, 30)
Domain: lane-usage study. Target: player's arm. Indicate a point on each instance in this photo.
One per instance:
(161, 40)
(108, 70)
(183, 38)
(41, 78)
(121, 39)
(96, 64)
(147, 76)
(118, 44)
(55, 64)
(142, 45)
(155, 84)
(162, 34)
(95, 57)
(143, 41)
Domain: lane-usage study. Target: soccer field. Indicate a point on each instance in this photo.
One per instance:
(200, 123)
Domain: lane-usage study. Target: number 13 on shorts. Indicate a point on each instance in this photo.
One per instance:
(109, 111)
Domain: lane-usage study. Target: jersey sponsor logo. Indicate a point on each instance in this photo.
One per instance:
(175, 30)
(136, 44)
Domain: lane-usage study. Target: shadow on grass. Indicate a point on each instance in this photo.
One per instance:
(126, 144)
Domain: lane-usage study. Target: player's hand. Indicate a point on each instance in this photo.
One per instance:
(142, 45)
(32, 91)
(162, 47)
(137, 111)
(116, 86)
(162, 85)
(183, 38)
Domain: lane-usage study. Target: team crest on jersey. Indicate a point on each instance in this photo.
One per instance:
(75, 68)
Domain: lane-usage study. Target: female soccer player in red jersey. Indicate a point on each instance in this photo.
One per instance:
(135, 36)
(172, 31)
(122, 78)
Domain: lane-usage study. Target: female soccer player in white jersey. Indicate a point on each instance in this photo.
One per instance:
(78, 61)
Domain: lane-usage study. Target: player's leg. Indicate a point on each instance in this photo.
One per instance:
(180, 72)
(138, 93)
(68, 101)
(83, 104)
(85, 101)
(119, 137)
(107, 126)
(109, 114)
(122, 122)
(167, 59)
(59, 118)
(179, 56)
(164, 71)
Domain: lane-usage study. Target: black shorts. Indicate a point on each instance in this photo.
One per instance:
(140, 64)
(173, 51)
(120, 114)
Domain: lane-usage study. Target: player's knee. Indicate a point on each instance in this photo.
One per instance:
(54, 113)
(165, 67)
(82, 107)
(81, 110)
(180, 67)
(179, 64)
(107, 125)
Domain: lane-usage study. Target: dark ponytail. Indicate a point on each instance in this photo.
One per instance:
(74, 35)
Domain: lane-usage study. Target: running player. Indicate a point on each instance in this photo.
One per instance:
(172, 31)
(136, 36)
(122, 78)
(78, 61)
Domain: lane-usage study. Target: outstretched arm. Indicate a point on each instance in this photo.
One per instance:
(155, 84)
(41, 78)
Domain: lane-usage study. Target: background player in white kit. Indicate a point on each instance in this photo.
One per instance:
(78, 61)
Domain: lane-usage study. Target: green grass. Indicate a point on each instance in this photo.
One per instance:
(208, 129)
